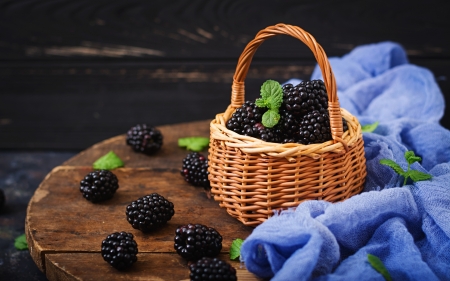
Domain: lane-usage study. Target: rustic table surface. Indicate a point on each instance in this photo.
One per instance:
(76, 73)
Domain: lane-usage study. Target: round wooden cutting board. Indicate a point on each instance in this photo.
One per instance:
(64, 230)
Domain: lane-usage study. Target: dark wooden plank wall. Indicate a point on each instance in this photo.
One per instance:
(73, 73)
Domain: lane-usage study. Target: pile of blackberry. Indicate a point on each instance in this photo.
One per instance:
(194, 241)
(149, 212)
(195, 170)
(99, 185)
(303, 113)
(144, 139)
(119, 249)
(212, 269)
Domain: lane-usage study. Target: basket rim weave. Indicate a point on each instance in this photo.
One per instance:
(340, 143)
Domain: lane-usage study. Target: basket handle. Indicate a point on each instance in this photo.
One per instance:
(237, 89)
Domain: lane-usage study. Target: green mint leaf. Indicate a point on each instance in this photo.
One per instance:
(235, 249)
(418, 176)
(411, 157)
(21, 242)
(109, 161)
(378, 265)
(270, 118)
(369, 128)
(271, 88)
(260, 103)
(393, 165)
(194, 143)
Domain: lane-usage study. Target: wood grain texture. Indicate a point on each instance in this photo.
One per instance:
(73, 73)
(64, 231)
(211, 29)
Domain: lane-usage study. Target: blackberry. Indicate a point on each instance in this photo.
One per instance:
(149, 212)
(194, 241)
(314, 128)
(287, 128)
(195, 170)
(265, 134)
(212, 269)
(305, 97)
(119, 249)
(144, 139)
(244, 118)
(2, 199)
(99, 185)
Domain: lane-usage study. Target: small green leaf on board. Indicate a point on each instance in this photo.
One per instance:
(193, 143)
(235, 249)
(109, 161)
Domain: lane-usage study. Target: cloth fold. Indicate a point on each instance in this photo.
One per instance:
(407, 227)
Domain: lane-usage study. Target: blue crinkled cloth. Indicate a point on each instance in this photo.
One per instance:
(407, 227)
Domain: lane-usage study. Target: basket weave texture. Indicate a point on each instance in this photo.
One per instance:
(252, 179)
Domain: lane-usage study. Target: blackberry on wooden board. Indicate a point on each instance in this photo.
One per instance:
(119, 249)
(194, 241)
(99, 185)
(195, 170)
(144, 139)
(149, 212)
(212, 269)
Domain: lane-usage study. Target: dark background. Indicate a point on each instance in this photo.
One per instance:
(73, 73)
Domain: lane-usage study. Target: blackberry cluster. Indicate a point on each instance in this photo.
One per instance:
(304, 116)
(2, 199)
(195, 170)
(314, 128)
(99, 185)
(212, 269)
(305, 97)
(244, 119)
(119, 249)
(144, 139)
(194, 241)
(149, 212)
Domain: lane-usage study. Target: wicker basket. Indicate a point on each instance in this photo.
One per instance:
(252, 178)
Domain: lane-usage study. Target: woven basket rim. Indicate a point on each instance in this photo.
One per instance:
(247, 144)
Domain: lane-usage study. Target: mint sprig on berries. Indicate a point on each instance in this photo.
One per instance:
(378, 265)
(413, 174)
(271, 98)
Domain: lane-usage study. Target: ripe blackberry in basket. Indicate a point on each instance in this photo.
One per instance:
(99, 185)
(305, 97)
(194, 241)
(212, 269)
(288, 127)
(315, 128)
(149, 212)
(244, 118)
(119, 249)
(144, 139)
(195, 170)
